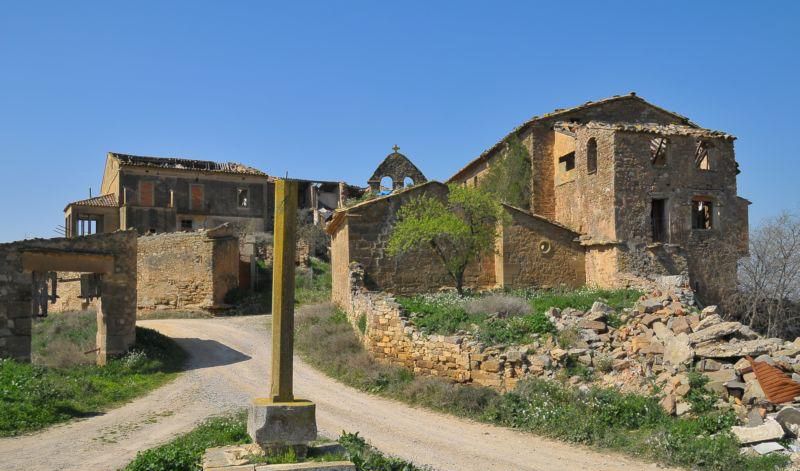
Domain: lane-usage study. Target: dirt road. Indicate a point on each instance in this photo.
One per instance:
(228, 364)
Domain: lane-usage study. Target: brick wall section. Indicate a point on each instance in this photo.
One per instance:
(116, 317)
(187, 270)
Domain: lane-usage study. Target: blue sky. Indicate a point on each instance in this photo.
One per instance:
(324, 89)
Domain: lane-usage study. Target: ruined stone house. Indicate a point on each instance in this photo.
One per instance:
(621, 191)
(649, 191)
(156, 195)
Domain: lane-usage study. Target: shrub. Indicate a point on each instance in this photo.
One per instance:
(568, 338)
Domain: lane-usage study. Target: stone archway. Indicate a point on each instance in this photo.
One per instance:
(24, 288)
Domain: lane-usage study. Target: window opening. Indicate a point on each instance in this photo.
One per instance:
(243, 198)
(187, 224)
(658, 220)
(658, 151)
(567, 162)
(701, 159)
(591, 156)
(702, 214)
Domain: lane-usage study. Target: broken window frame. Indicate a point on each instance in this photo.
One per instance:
(658, 151)
(591, 156)
(702, 213)
(702, 157)
(243, 204)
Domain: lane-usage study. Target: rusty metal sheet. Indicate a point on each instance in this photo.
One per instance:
(777, 386)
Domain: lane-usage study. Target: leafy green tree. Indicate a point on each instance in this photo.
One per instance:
(509, 176)
(458, 231)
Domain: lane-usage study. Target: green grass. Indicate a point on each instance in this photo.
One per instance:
(582, 299)
(604, 418)
(314, 285)
(35, 396)
(448, 313)
(185, 452)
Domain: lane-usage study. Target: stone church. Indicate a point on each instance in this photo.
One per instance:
(622, 192)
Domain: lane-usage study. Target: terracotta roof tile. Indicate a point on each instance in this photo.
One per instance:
(105, 201)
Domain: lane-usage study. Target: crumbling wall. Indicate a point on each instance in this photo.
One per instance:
(187, 270)
(113, 255)
(709, 255)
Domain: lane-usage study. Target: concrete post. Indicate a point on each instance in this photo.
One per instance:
(280, 421)
(283, 290)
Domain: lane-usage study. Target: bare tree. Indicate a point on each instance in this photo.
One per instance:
(768, 298)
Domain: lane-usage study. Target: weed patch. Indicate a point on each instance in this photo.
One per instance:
(504, 318)
(35, 396)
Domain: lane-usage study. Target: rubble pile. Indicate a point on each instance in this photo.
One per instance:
(658, 343)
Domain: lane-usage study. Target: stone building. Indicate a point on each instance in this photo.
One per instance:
(155, 195)
(649, 192)
(529, 251)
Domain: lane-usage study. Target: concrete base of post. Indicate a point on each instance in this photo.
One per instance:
(278, 426)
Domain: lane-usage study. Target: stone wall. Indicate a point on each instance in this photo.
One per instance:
(112, 256)
(187, 270)
(391, 339)
(536, 252)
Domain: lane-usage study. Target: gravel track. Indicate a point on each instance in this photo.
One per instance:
(228, 364)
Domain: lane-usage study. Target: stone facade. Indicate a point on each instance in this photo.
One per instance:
(530, 251)
(187, 270)
(111, 256)
(594, 172)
